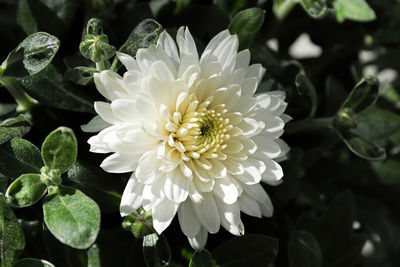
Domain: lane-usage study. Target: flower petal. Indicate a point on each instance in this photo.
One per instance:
(200, 240)
(163, 213)
(95, 125)
(131, 198)
(188, 220)
(176, 186)
(120, 163)
(207, 212)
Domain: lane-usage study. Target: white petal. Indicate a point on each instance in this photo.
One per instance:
(169, 46)
(208, 213)
(161, 71)
(145, 58)
(176, 186)
(131, 198)
(225, 190)
(95, 125)
(249, 205)
(147, 167)
(218, 169)
(266, 207)
(120, 163)
(257, 192)
(128, 61)
(200, 240)
(125, 109)
(163, 213)
(230, 217)
(105, 112)
(256, 71)
(243, 59)
(188, 220)
(267, 146)
(273, 172)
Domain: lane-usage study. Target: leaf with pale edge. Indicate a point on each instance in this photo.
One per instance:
(25, 191)
(13, 127)
(31, 262)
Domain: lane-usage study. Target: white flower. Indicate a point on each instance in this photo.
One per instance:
(196, 138)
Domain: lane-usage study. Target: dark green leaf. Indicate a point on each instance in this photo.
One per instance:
(80, 75)
(94, 256)
(304, 250)
(30, 262)
(202, 258)
(97, 184)
(25, 17)
(246, 25)
(357, 10)
(140, 223)
(7, 109)
(59, 149)
(305, 87)
(72, 217)
(13, 127)
(12, 241)
(363, 95)
(377, 124)
(3, 183)
(335, 95)
(361, 147)
(32, 55)
(142, 36)
(314, 8)
(247, 250)
(388, 171)
(156, 251)
(19, 156)
(25, 191)
(49, 88)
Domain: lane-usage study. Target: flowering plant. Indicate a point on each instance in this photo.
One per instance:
(192, 133)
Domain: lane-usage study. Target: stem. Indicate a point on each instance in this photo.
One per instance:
(100, 65)
(24, 101)
(308, 125)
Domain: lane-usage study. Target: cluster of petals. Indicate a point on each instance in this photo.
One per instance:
(196, 138)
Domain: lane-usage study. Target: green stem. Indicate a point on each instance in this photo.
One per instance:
(100, 65)
(308, 125)
(24, 101)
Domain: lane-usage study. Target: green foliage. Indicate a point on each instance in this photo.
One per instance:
(72, 217)
(357, 10)
(140, 223)
(201, 258)
(30, 262)
(32, 55)
(304, 250)
(12, 240)
(25, 191)
(59, 149)
(246, 25)
(13, 127)
(305, 87)
(251, 249)
(156, 250)
(80, 75)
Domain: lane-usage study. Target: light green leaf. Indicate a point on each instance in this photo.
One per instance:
(305, 87)
(25, 191)
(283, 7)
(7, 109)
(314, 8)
(156, 250)
(59, 149)
(361, 147)
(19, 156)
(304, 250)
(363, 95)
(50, 88)
(94, 256)
(80, 75)
(96, 48)
(202, 258)
(71, 216)
(142, 36)
(247, 250)
(357, 10)
(32, 55)
(97, 184)
(13, 127)
(12, 240)
(246, 25)
(30, 262)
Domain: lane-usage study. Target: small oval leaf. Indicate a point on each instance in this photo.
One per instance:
(304, 250)
(305, 87)
(32, 55)
(31, 262)
(156, 250)
(72, 217)
(357, 10)
(25, 191)
(246, 25)
(202, 258)
(59, 149)
(13, 127)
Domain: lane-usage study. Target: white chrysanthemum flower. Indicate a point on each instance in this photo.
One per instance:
(196, 138)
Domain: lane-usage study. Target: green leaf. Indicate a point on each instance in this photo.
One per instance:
(357, 10)
(19, 156)
(246, 25)
(97, 184)
(247, 250)
(6, 109)
(142, 36)
(80, 75)
(96, 48)
(59, 149)
(202, 258)
(361, 147)
(32, 55)
(71, 216)
(305, 87)
(377, 124)
(3, 183)
(12, 240)
(25, 191)
(49, 88)
(388, 171)
(25, 17)
(156, 250)
(140, 223)
(363, 95)
(13, 127)
(314, 8)
(30, 262)
(94, 256)
(283, 7)
(304, 250)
